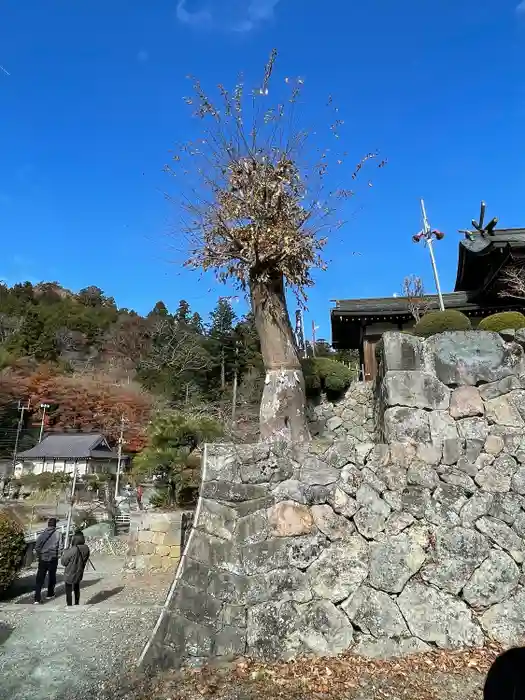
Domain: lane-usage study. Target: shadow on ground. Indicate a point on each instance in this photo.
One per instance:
(101, 596)
(24, 593)
(5, 632)
(22, 586)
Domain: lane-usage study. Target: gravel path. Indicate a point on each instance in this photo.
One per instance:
(51, 651)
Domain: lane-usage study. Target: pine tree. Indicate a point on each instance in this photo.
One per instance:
(183, 313)
(222, 339)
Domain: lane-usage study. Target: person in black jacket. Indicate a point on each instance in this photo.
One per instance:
(47, 549)
(506, 677)
(74, 560)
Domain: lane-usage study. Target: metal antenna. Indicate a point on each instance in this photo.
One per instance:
(427, 235)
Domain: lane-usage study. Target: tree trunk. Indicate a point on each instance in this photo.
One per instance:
(283, 403)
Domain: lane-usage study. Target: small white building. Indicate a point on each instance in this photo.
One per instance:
(61, 452)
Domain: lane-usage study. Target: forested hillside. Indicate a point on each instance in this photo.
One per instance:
(94, 364)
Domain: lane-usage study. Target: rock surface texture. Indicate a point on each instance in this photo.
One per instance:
(350, 543)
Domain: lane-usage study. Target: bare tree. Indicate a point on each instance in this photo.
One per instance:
(258, 214)
(414, 293)
(9, 326)
(513, 282)
(175, 348)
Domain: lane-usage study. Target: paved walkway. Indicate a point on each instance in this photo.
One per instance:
(51, 651)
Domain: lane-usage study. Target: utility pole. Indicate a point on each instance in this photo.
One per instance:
(427, 234)
(21, 409)
(235, 380)
(70, 511)
(299, 332)
(119, 462)
(44, 407)
(314, 328)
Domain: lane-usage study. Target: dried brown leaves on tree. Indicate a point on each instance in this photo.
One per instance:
(259, 206)
(260, 202)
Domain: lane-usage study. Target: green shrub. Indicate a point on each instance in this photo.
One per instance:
(502, 321)
(12, 548)
(325, 374)
(440, 321)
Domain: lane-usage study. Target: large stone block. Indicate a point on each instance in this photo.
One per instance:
(394, 561)
(187, 638)
(334, 526)
(471, 357)
(375, 613)
(282, 552)
(477, 506)
(218, 553)
(340, 569)
(321, 629)
(232, 492)
(465, 402)
(269, 625)
(505, 622)
(458, 552)
(438, 617)
(196, 605)
(401, 352)
(402, 424)
(497, 477)
(505, 410)
(222, 463)
(217, 519)
(291, 489)
(493, 581)
(416, 389)
(252, 528)
(289, 519)
(314, 471)
(279, 585)
(225, 586)
(502, 535)
(342, 503)
(271, 469)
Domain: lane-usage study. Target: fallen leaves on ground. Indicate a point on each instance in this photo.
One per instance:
(430, 676)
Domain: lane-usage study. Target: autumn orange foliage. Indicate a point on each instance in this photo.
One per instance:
(81, 403)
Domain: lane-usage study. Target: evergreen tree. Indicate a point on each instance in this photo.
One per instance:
(183, 313)
(222, 340)
(159, 309)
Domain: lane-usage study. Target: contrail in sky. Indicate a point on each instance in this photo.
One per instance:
(4, 70)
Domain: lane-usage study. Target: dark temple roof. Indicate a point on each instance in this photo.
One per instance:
(70, 446)
(396, 306)
(481, 259)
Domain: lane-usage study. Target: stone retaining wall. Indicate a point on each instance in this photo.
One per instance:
(155, 542)
(353, 415)
(385, 548)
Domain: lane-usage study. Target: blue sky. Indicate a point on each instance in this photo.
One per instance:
(91, 102)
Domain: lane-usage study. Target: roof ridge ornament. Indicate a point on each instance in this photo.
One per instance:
(480, 229)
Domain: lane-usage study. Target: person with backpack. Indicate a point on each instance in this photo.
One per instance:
(47, 549)
(74, 561)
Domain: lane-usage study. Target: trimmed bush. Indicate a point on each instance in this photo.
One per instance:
(12, 548)
(325, 374)
(440, 321)
(502, 321)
